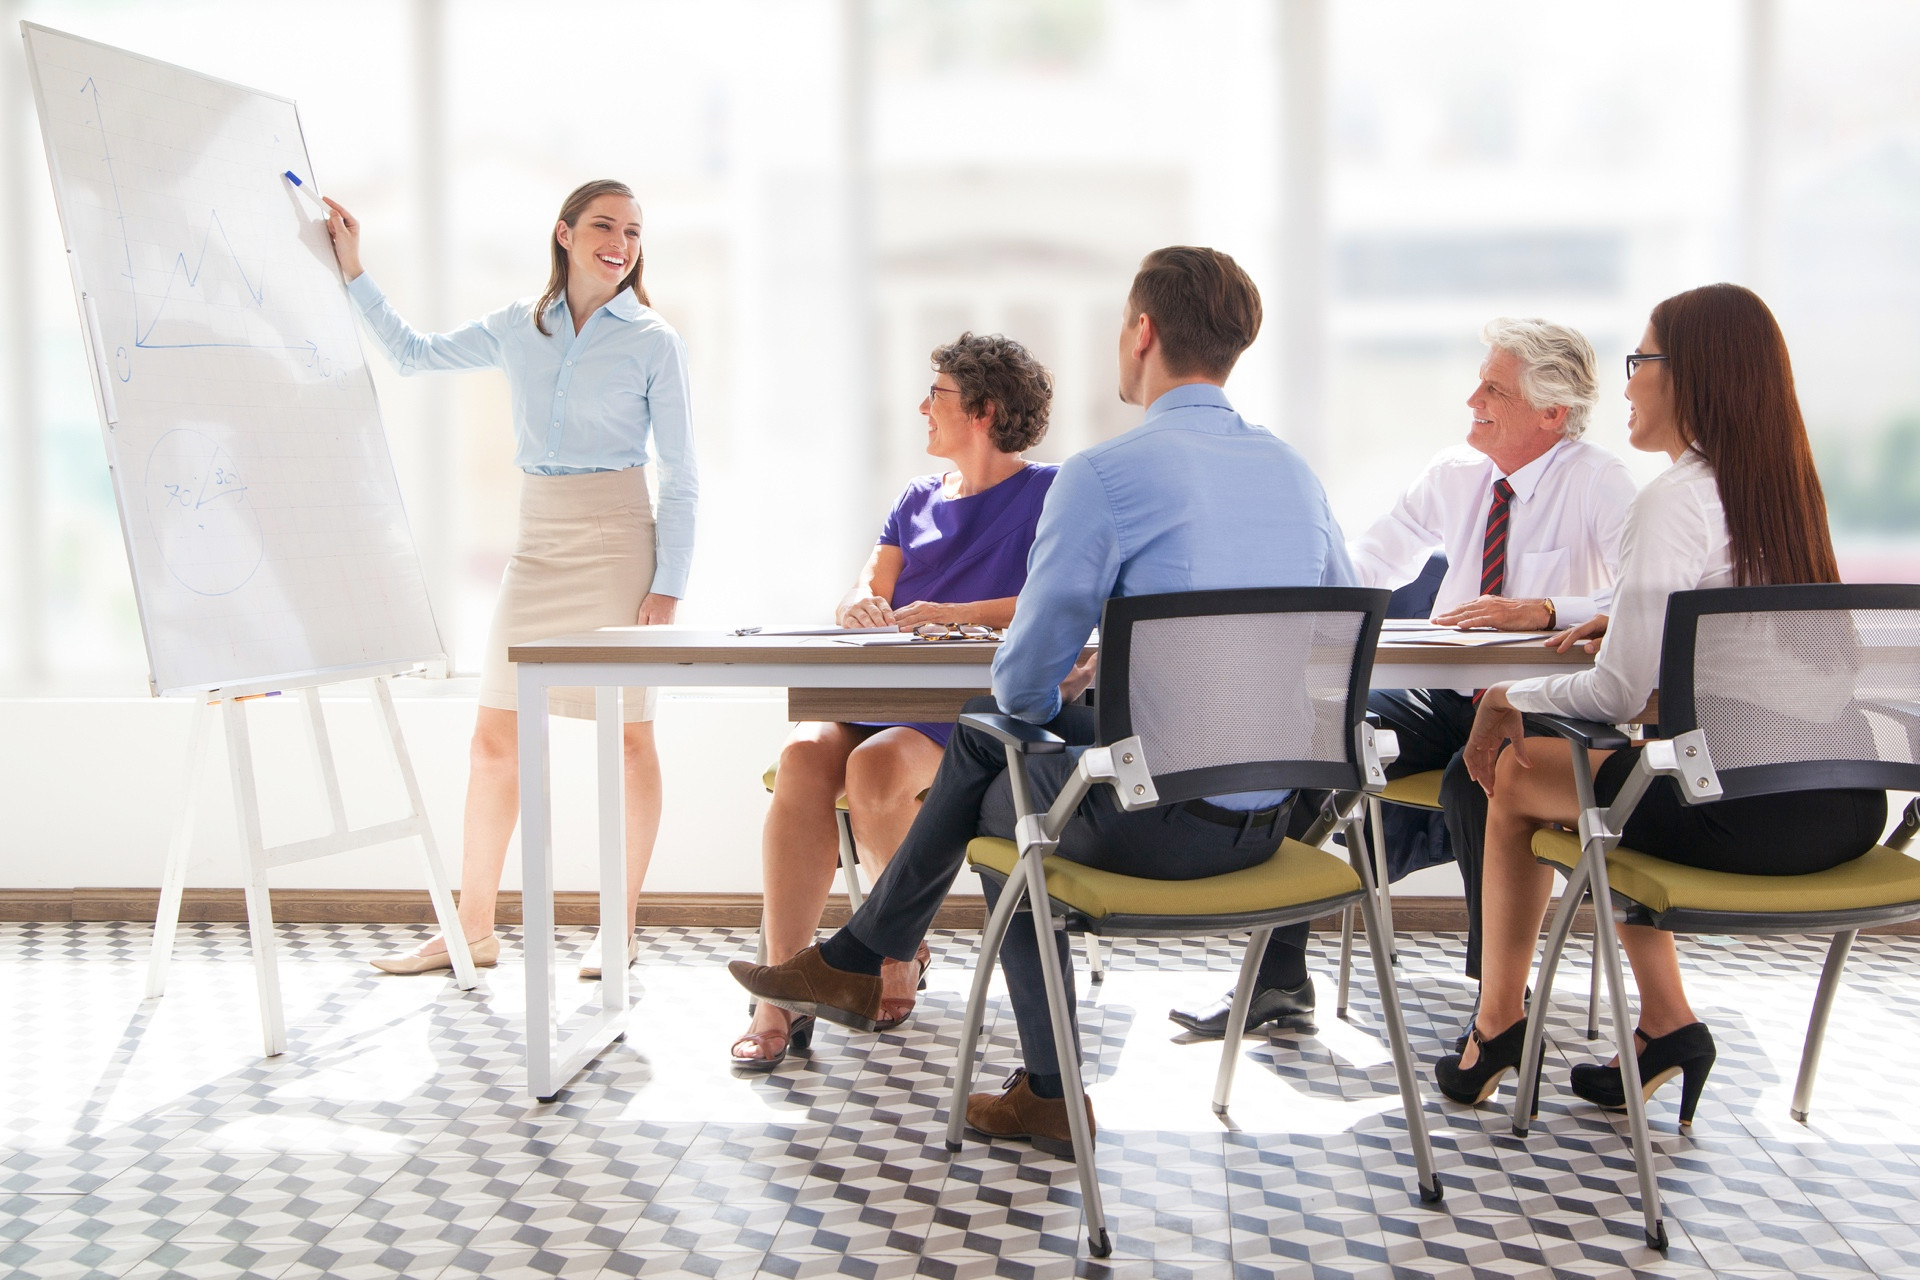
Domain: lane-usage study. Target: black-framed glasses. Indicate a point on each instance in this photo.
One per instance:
(1637, 358)
(935, 391)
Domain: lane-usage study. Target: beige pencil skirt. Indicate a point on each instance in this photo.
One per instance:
(583, 560)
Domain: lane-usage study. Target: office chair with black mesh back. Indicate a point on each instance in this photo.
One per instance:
(1763, 690)
(1201, 694)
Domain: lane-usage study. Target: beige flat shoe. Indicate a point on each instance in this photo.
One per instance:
(485, 953)
(591, 972)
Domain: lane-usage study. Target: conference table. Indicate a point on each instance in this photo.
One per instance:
(826, 678)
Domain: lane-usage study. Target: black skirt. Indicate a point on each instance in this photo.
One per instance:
(1793, 834)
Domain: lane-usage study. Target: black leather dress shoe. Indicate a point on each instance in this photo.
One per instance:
(1290, 1008)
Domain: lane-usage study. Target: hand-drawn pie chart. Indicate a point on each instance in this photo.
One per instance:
(206, 529)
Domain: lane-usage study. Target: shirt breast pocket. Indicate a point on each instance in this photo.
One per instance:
(1541, 573)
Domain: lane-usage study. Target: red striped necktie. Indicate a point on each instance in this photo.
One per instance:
(1493, 558)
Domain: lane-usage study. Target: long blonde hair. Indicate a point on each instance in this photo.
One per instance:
(570, 210)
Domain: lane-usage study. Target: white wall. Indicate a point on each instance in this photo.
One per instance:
(93, 788)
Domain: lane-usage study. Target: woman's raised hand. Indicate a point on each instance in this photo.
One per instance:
(1587, 635)
(344, 228)
(866, 611)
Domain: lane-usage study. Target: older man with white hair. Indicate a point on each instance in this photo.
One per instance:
(1529, 517)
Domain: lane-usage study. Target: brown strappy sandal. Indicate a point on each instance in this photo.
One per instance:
(797, 1037)
(893, 1009)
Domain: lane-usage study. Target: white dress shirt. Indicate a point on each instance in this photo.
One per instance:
(1563, 531)
(1675, 540)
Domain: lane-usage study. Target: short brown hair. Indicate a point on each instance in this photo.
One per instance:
(1204, 308)
(995, 370)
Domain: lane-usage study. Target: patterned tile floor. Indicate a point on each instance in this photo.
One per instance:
(394, 1138)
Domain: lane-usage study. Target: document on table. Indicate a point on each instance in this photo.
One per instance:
(815, 631)
(1452, 637)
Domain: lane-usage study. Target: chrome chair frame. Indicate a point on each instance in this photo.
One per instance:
(1122, 765)
(1685, 757)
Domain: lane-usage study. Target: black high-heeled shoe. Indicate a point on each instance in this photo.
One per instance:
(1475, 1084)
(1687, 1053)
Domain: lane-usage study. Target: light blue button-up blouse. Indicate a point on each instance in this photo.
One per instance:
(593, 401)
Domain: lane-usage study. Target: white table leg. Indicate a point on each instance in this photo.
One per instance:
(536, 889)
(615, 930)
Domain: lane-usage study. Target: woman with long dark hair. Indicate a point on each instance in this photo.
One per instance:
(1711, 387)
(599, 386)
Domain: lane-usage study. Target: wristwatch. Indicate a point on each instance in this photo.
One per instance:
(1553, 614)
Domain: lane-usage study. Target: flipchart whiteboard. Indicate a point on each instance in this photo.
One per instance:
(262, 517)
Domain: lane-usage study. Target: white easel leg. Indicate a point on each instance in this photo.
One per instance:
(323, 758)
(166, 921)
(536, 884)
(615, 933)
(246, 802)
(444, 911)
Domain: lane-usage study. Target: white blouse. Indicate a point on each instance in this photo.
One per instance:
(1675, 540)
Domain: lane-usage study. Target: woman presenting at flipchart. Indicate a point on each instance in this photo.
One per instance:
(599, 384)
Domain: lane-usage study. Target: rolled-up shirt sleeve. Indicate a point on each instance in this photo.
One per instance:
(475, 345)
(1071, 571)
(670, 411)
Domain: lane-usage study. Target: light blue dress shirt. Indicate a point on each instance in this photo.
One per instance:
(598, 400)
(1195, 498)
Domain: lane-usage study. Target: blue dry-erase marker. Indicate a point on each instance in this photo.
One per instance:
(301, 187)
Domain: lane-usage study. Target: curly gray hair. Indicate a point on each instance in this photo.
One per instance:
(1557, 366)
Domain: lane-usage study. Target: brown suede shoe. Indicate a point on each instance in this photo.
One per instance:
(1021, 1113)
(808, 984)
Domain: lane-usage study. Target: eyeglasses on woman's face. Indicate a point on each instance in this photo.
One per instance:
(935, 391)
(1637, 358)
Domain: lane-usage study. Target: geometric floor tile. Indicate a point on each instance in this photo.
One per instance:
(395, 1138)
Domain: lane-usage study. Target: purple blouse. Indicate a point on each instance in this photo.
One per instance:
(957, 550)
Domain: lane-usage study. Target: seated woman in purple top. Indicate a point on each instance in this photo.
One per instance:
(954, 550)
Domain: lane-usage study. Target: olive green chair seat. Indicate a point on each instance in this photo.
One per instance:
(773, 772)
(1416, 790)
(1667, 895)
(1297, 875)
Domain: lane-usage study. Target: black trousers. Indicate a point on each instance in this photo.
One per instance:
(1433, 725)
(971, 796)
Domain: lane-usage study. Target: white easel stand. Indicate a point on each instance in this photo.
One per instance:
(260, 858)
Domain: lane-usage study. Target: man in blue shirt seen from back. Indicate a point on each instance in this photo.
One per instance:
(1195, 498)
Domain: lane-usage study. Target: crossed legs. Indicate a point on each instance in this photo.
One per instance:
(882, 774)
(1515, 889)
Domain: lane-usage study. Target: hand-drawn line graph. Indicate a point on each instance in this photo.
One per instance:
(179, 270)
(207, 531)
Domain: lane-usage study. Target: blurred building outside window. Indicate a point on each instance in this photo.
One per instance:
(1002, 166)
